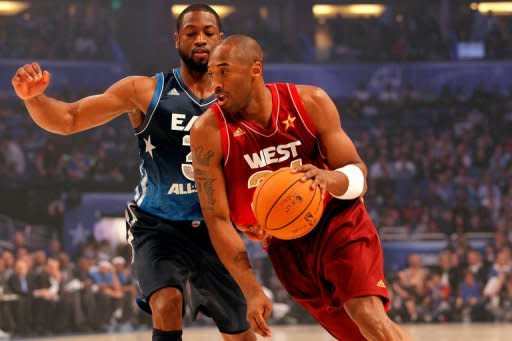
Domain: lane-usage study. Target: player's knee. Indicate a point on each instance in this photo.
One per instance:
(368, 313)
(166, 302)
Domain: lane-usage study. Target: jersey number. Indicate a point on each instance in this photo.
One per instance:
(186, 168)
(254, 180)
(258, 177)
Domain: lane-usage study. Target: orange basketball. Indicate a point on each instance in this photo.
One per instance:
(286, 207)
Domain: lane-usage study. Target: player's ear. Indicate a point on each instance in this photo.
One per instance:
(176, 39)
(221, 35)
(257, 69)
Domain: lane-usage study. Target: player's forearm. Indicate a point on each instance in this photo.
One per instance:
(339, 183)
(233, 254)
(50, 114)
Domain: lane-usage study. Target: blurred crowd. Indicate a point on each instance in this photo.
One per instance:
(437, 162)
(420, 33)
(467, 285)
(89, 30)
(45, 292)
(79, 31)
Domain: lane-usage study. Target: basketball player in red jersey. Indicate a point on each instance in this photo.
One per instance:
(335, 271)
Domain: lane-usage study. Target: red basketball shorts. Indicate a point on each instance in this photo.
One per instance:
(340, 259)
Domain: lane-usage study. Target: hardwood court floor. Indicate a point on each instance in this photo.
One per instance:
(454, 332)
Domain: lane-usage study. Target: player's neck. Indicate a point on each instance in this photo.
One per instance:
(199, 83)
(259, 110)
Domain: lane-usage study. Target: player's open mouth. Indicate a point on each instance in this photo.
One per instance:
(221, 99)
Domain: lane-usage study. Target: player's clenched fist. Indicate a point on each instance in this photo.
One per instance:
(30, 81)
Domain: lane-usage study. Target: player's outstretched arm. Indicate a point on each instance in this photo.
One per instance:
(336, 145)
(207, 160)
(127, 95)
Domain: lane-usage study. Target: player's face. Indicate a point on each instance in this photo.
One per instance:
(232, 82)
(197, 36)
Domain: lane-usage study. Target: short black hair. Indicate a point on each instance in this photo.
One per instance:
(197, 7)
(247, 47)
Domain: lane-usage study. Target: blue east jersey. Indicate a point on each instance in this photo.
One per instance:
(167, 189)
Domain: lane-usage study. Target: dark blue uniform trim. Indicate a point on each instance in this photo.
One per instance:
(154, 103)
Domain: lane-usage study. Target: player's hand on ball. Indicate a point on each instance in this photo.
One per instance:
(321, 177)
(30, 81)
(259, 308)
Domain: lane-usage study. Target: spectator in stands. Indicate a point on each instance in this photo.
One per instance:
(412, 287)
(498, 274)
(449, 272)
(127, 284)
(8, 259)
(108, 292)
(87, 293)
(441, 305)
(469, 303)
(477, 267)
(51, 311)
(7, 321)
(415, 275)
(21, 284)
(504, 311)
(38, 265)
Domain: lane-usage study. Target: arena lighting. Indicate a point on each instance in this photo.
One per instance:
(324, 11)
(12, 7)
(498, 8)
(354, 10)
(222, 10)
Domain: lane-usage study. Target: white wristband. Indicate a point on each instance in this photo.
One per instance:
(355, 182)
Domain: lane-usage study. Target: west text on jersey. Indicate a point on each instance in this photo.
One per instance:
(272, 154)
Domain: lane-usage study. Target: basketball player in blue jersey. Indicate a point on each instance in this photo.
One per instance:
(165, 225)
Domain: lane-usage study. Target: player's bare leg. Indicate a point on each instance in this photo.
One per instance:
(373, 322)
(248, 335)
(166, 307)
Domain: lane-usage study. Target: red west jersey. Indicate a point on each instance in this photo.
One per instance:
(252, 152)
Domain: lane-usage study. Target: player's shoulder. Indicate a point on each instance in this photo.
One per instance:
(319, 106)
(139, 78)
(138, 83)
(305, 92)
(312, 97)
(207, 122)
(311, 92)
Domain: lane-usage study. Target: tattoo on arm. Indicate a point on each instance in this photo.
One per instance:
(201, 156)
(204, 184)
(242, 257)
